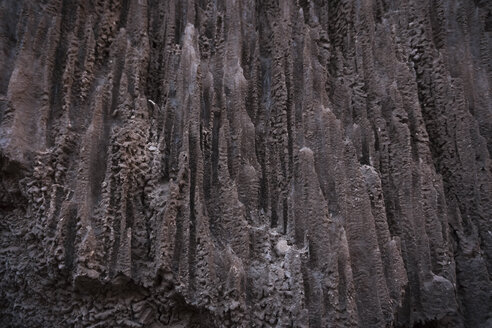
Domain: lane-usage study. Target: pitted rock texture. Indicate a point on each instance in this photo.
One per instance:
(240, 163)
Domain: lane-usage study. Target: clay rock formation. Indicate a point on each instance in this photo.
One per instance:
(240, 163)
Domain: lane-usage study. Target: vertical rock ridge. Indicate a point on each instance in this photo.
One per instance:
(245, 163)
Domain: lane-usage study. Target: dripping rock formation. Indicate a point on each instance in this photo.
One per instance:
(241, 163)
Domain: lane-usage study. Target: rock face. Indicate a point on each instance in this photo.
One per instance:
(240, 163)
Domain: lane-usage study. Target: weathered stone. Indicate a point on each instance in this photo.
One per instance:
(239, 163)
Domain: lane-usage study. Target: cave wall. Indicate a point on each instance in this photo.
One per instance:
(240, 163)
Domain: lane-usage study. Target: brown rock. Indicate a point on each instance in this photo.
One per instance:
(245, 163)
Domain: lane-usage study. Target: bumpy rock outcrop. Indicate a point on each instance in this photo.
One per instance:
(240, 163)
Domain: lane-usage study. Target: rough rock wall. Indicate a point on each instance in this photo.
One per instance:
(245, 163)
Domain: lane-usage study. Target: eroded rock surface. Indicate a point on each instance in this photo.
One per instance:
(245, 163)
